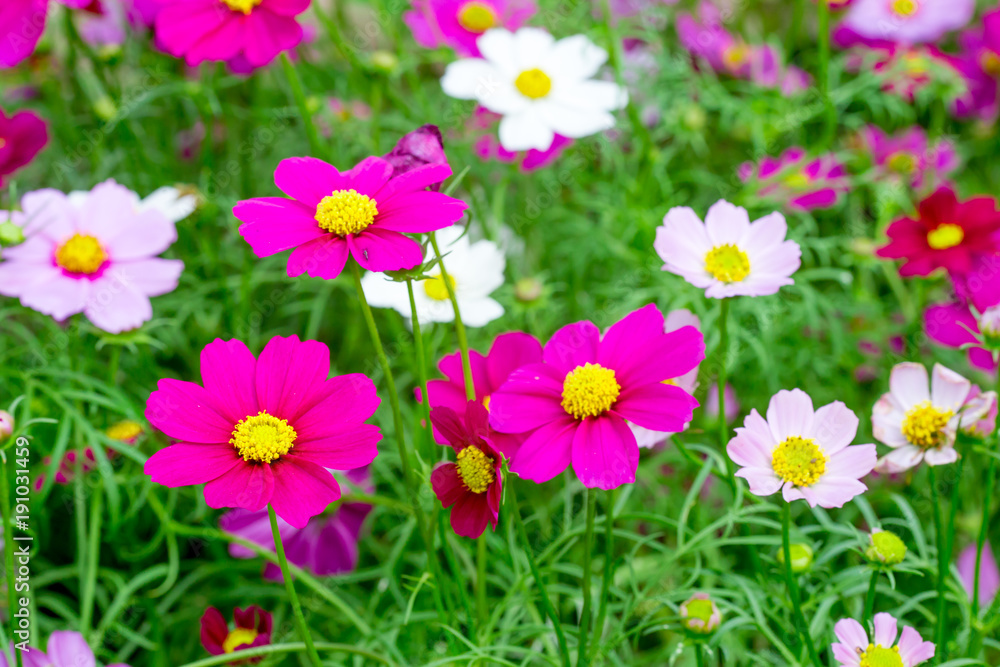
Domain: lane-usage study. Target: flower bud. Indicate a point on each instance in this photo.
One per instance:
(385, 61)
(10, 234)
(885, 548)
(527, 290)
(802, 556)
(6, 425)
(699, 614)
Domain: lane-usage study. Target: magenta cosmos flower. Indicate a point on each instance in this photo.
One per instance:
(328, 545)
(22, 23)
(22, 136)
(576, 406)
(509, 352)
(364, 213)
(94, 253)
(956, 325)
(473, 485)
(908, 157)
(459, 23)
(264, 430)
(979, 64)
(797, 181)
(855, 649)
(946, 234)
(804, 452)
(727, 255)
(908, 21)
(989, 575)
(253, 32)
(919, 421)
(253, 629)
(65, 649)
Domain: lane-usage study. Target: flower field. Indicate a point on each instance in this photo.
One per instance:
(499, 332)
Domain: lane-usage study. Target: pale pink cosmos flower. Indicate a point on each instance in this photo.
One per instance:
(919, 421)
(804, 452)
(989, 575)
(727, 255)
(855, 649)
(908, 21)
(94, 252)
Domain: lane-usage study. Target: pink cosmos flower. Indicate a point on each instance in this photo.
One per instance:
(675, 319)
(907, 157)
(22, 23)
(802, 451)
(509, 352)
(22, 136)
(420, 147)
(472, 485)
(727, 255)
(979, 64)
(855, 650)
(488, 147)
(795, 180)
(989, 575)
(65, 649)
(94, 253)
(712, 402)
(108, 26)
(574, 405)
(908, 21)
(253, 629)
(920, 422)
(984, 427)
(328, 545)
(955, 325)
(252, 32)
(364, 213)
(264, 430)
(459, 23)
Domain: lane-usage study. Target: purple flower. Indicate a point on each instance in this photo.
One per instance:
(22, 136)
(989, 576)
(908, 157)
(797, 181)
(420, 147)
(22, 23)
(65, 649)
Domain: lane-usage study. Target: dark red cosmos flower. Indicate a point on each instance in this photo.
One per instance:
(22, 136)
(473, 484)
(253, 629)
(948, 234)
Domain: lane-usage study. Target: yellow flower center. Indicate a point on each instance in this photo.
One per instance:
(245, 6)
(916, 65)
(905, 8)
(262, 437)
(486, 403)
(436, 288)
(799, 461)
(589, 390)
(477, 16)
(126, 430)
(989, 61)
(735, 55)
(924, 423)
(727, 263)
(533, 83)
(877, 656)
(902, 163)
(82, 253)
(476, 469)
(238, 637)
(798, 180)
(945, 236)
(346, 212)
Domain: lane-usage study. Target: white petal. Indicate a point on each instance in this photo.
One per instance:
(532, 46)
(170, 202)
(574, 121)
(480, 312)
(597, 95)
(471, 79)
(497, 45)
(524, 130)
(726, 223)
(575, 58)
(948, 389)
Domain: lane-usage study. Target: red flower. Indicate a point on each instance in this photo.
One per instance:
(473, 484)
(253, 629)
(948, 234)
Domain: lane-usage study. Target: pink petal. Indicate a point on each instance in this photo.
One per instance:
(885, 630)
(419, 212)
(268, 35)
(222, 43)
(547, 452)
(908, 383)
(346, 399)
(940, 456)
(301, 490)
(185, 464)
(151, 277)
(660, 407)
(69, 648)
(228, 371)
(531, 397)
(324, 257)
(309, 179)
(851, 634)
(509, 352)
(447, 484)
(900, 460)
(289, 374)
(913, 649)
(790, 413)
(369, 175)
(383, 250)
(573, 345)
(834, 427)
(246, 485)
(855, 462)
(186, 411)
(605, 453)
(274, 224)
(414, 180)
(342, 446)
(762, 480)
(470, 515)
(948, 389)
(115, 306)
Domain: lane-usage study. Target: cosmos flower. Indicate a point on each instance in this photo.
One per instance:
(576, 405)
(956, 325)
(264, 430)
(65, 649)
(328, 545)
(979, 64)
(988, 423)
(22, 23)
(472, 485)
(94, 253)
(22, 136)
(474, 269)
(541, 86)
(459, 23)
(920, 422)
(794, 180)
(252, 32)
(989, 575)
(727, 255)
(907, 21)
(855, 649)
(127, 432)
(946, 234)
(700, 614)
(363, 213)
(907, 156)
(805, 453)
(488, 147)
(253, 629)
(415, 149)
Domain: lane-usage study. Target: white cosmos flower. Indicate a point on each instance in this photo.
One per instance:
(541, 86)
(168, 200)
(475, 269)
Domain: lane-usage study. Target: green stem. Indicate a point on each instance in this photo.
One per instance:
(116, 353)
(609, 550)
(699, 655)
(870, 599)
(975, 639)
(793, 586)
(315, 145)
(463, 341)
(93, 557)
(418, 341)
(823, 38)
(942, 570)
(300, 620)
(8, 540)
(588, 546)
(482, 606)
(721, 388)
(539, 582)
